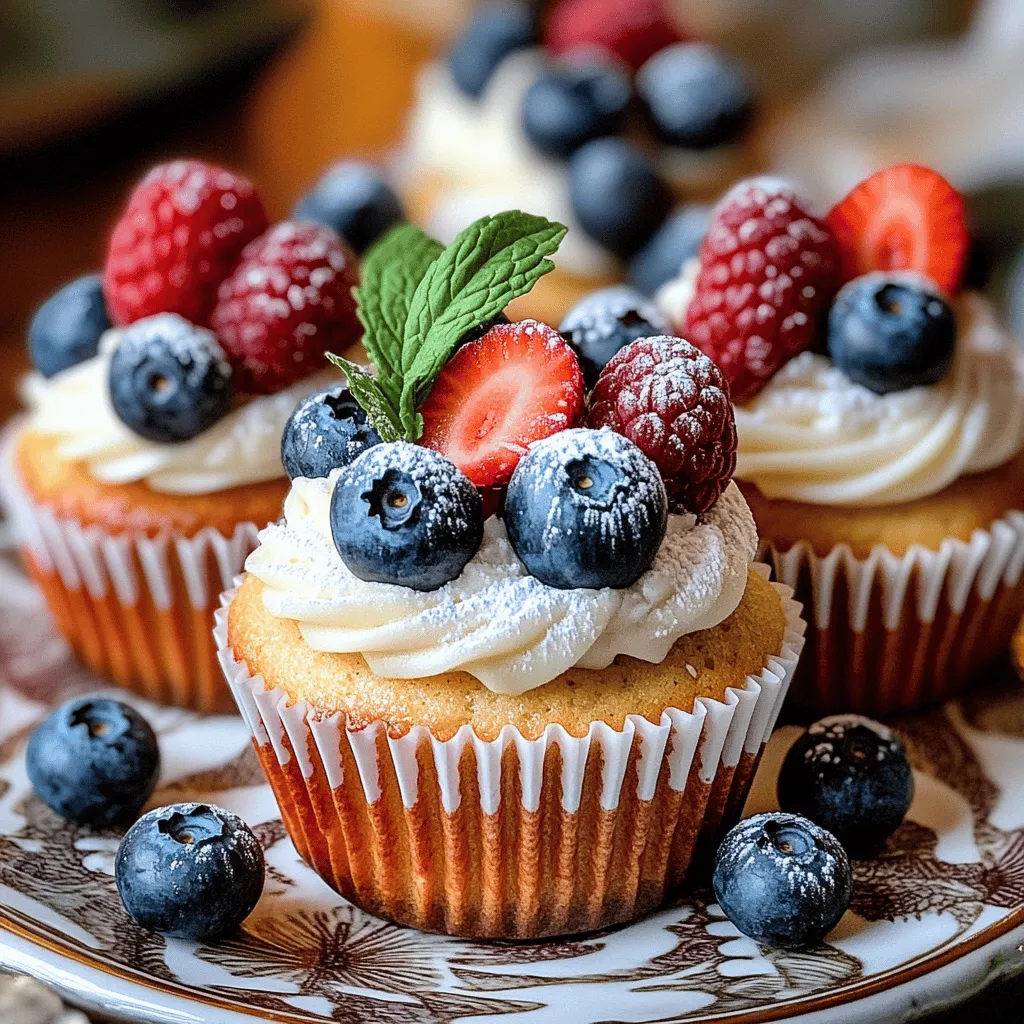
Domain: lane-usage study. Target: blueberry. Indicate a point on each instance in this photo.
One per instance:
(607, 320)
(169, 380)
(697, 97)
(782, 880)
(354, 200)
(891, 332)
(616, 195)
(851, 776)
(66, 328)
(403, 514)
(326, 431)
(494, 31)
(94, 761)
(566, 107)
(191, 871)
(586, 508)
(675, 242)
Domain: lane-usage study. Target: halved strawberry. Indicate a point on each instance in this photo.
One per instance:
(517, 384)
(906, 217)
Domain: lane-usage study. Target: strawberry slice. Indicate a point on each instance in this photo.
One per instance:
(517, 384)
(906, 217)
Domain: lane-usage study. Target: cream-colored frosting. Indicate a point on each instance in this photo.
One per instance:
(495, 621)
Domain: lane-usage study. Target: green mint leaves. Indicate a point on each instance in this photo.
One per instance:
(417, 299)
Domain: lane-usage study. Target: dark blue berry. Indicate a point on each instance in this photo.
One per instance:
(607, 320)
(568, 106)
(617, 196)
(697, 97)
(851, 776)
(169, 380)
(191, 871)
(354, 200)
(782, 880)
(66, 328)
(675, 242)
(891, 332)
(326, 431)
(493, 32)
(403, 514)
(586, 508)
(94, 761)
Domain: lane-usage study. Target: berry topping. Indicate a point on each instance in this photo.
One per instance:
(586, 508)
(676, 241)
(326, 431)
(169, 380)
(606, 321)
(354, 200)
(493, 32)
(180, 235)
(906, 217)
(891, 332)
(672, 402)
(191, 871)
(782, 880)
(849, 775)
(519, 383)
(697, 97)
(66, 328)
(617, 196)
(286, 304)
(94, 761)
(402, 514)
(768, 270)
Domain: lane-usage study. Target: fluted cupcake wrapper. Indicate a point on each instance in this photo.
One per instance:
(512, 837)
(891, 633)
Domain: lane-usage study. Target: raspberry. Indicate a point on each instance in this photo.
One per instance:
(768, 269)
(288, 302)
(672, 402)
(180, 235)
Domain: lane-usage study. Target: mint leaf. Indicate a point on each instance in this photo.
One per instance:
(367, 391)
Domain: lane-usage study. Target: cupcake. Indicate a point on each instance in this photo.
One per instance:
(520, 725)
(150, 455)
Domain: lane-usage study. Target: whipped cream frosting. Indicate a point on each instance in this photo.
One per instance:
(495, 621)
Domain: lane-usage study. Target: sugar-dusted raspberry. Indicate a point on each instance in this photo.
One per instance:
(672, 402)
(768, 270)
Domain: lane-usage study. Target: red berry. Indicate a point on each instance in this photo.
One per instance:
(767, 272)
(288, 303)
(672, 402)
(906, 217)
(517, 384)
(180, 235)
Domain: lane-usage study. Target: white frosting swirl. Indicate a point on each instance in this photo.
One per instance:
(495, 621)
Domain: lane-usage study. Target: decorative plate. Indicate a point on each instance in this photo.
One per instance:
(940, 913)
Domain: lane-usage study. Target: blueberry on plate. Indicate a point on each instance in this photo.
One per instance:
(617, 196)
(355, 200)
(493, 32)
(850, 775)
(191, 871)
(891, 332)
(66, 328)
(782, 880)
(570, 105)
(326, 431)
(676, 241)
(586, 509)
(405, 515)
(169, 380)
(94, 761)
(698, 98)
(607, 320)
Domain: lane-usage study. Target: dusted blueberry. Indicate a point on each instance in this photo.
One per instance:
(586, 509)
(405, 515)
(782, 880)
(326, 431)
(94, 761)
(891, 332)
(191, 871)
(675, 242)
(66, 328)
(849, 775)
(494, 31)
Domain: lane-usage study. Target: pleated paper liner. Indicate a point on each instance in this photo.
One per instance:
(889, 634)
(512, 838)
